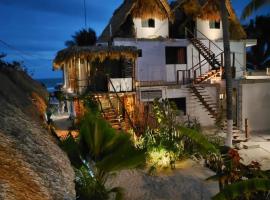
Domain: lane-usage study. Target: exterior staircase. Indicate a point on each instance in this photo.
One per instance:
(212, 60)
(208, 75)
(203, 97)
(206, 53)
(216, 64)
(111, 115)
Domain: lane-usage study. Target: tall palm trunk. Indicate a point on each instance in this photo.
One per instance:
(228, 71)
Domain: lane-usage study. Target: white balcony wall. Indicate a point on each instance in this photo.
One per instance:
(120, 85)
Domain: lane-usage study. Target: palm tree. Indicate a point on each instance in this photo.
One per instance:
(258, 56)
(84, 37)
(252, 6)
(98, 152)
(228, 70)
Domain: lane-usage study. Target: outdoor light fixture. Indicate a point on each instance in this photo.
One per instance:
(221, 96)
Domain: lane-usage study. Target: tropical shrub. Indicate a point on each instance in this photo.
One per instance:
(97, 153)
(168, 140)
(236, 180)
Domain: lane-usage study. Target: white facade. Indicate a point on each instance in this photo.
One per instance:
(160, 29)
(256, 105)
(194, 109)
(152, 65)
(204, 29)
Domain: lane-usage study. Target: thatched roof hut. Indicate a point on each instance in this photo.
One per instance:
(144, 9)
(209, 10)
(91, 53)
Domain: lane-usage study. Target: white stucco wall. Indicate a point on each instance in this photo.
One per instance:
(256, 106)
(239, 49)
(204, 28)
(152, 65)
(193, 105)
(161, 29)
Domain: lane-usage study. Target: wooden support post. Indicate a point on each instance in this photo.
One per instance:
(192, 62)
(246, 129)
(184, 77)
(233, 64)
(177, 77)
(200, 64)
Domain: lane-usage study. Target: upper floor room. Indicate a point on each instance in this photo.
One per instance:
(151, 19)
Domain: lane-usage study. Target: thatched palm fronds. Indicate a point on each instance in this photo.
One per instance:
(159, 9)
(210, 10)
(151, 8)
(92, 53)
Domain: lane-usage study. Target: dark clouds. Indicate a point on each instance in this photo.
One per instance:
(59, 7)
(40, 27)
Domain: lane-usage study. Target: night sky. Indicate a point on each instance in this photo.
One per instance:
(33, 31)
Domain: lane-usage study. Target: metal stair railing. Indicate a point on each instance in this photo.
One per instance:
(123, 106)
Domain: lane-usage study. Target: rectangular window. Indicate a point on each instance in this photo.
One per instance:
(214, 24)
(180, 104)
(139, 53)
(176, 55)
(151, 94)
(148, 23)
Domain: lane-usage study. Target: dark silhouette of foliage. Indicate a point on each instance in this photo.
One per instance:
(84, 37)
(259, 56)
(252, 6)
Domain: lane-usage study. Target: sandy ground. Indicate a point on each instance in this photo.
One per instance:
(187, 181)
(257, 148)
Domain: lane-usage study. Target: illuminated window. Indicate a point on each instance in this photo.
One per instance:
(148, 23)
(214, 24)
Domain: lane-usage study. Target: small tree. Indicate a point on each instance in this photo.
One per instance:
(84, 37)
(252, 6)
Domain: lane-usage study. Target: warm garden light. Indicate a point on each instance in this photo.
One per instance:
(221, 96)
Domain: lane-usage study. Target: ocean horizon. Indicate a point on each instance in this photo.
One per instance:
(50, 83)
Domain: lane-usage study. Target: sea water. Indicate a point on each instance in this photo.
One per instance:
(50, 83)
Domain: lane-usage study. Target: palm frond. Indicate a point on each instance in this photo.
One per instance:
(198, 139)
(252, 6)
(243, 187)
(70, 146)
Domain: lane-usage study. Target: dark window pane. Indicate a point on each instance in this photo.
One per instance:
(214, 24)
(180, 104)
(148, 23)
(139, 53)
(151, 23)
(176, 55)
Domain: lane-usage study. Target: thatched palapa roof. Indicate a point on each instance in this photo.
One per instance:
(209, 10)
(91, 53)
(144, 9)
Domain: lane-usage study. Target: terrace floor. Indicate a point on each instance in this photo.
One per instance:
(257, 148)
(62, 124)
